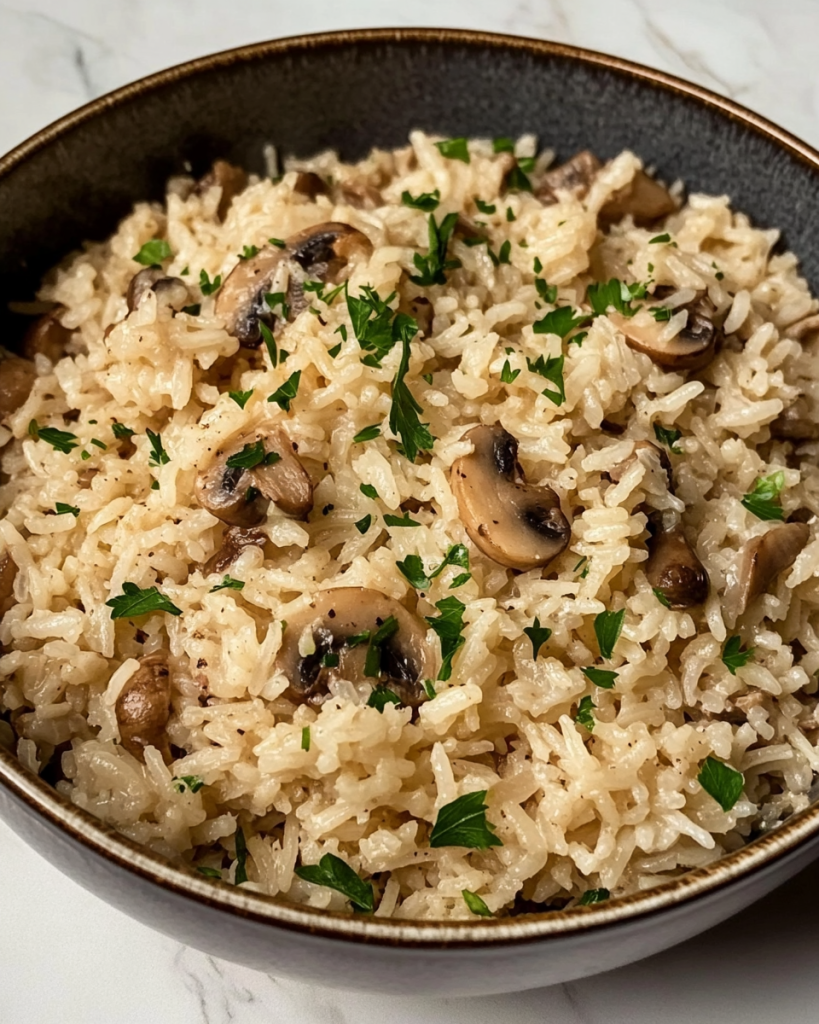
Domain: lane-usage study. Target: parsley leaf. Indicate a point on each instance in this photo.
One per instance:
(427, 201)
(665, 237)
(503, 144)
(209, 872)
(584, 714)
(429, 689)
(483, 207)
(248, 252)
(62, 509)
(192, 782)
(153, 253)
(661, 597)
(270, 343)
(475, 903)
(364, 524)
(616, 293)
(463, 823)
(449, 627)
(552, 370)
(454, 149)
(721, 782)
(133, 601)
(241, 858)
(661, 313)
(98, 444)
(413, 567)
(504, 252)
(367, 434)
(548, 292)
(668, 436)
(252, 455)
(334, 351)
(373, 324)
(228, 583)
(591, 896)
(305, 738)
(560, 322)
(516, 180)
(158, 456)
(120, 431)
(278, 242)
(537, 266)
(538, 635)
(432, 267)
(333, 872)
(405, 411)
(60, 440)
(284, 395)
(381, 696)
(368, 491)
(607, 628)
(762, 500)
(508, 375)
(357, 639)
(240, 397)
(602, 677)
(733, 656)
(278, 299)
(207, 286)
(372, 663)
(404, 520)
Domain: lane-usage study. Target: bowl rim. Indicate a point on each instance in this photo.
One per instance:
(81, 827)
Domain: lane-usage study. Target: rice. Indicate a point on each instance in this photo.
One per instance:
(611, 806)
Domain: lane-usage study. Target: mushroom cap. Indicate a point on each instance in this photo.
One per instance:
(230, 179)
(47, 337)
(674, 569)
(516, 524)
(240, 496)
(645, 199)
(796, 423)
(343, 612)
(170, 291)
(144, 707)
(234, 541)
(309, 184)
(765, 557)
(359, 194)
(17, 378)
(574, 176)
(691, 349)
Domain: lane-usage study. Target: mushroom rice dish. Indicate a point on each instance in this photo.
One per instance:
(433, 536)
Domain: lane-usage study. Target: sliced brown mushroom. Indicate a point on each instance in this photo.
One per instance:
(691, 349)
(8, 574)
(644, 198)
(803, 328)
(420, 309)
(170, 291)
(516, 524)
(360, 195)
(796, 423)
(17, 378)
(310, 185)
(673, 567)
(318, 253)
(765, 557)
(575, 176)
(326, 629)
(234, 542)
(144, 707)
(47, 337)
(242, 496)
(231, 179)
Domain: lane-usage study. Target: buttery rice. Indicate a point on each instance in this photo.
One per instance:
(619, 808)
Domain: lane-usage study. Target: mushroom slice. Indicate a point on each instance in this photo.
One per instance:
(644, 198)
(575, 176)
(241, 496)
(322, 253)
(796, 423)
(803, 328)
(616, 472)
(691, 349)
(765, 557)
(47, 337)
(326, 628)
(310, 185)
(144, 707)
(170, 291)
(360, 195)
(8, 574)
(235, 540)
(231, 180)
(17, 378)
(518, 525)
(673, 567)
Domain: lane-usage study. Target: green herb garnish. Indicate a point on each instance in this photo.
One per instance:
(602, 677)
(158, 456)
(305, 738)
(61, 509)
(483, 207)
(413, 567)
(248, 252)
(228, 583)
(463, 823)
(207, 286)
(503, 144)
(334, 873)
(591, 896)
(210, 872)
(368, 491)
(376, 327)
(381, 696)
(449, 626)
(721, 782)
(661, 313)
(192, 782)
(475, 903)
(120, 431)
(367, 434)
(516, 180)
(733, 656)
(454, 149)
(763, 499)
(372, 663)
(548, 292)
(669, 437)
(661, 597)
(427, 201)
(559, 321)
(616, 293)
(538, 635)
(429, 689)
(278, 242)
(364, 524)
(284, 395)
(153, 253)
(432, 267)
(508, 375)
(134, 601)
(405, 411)
(241, 858)
(584, 714)
(60, 440)
(551, 370)
(659, 238)
(403, 520)
(240, 397)
(607, 628)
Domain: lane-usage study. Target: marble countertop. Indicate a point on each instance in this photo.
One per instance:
(66, 956)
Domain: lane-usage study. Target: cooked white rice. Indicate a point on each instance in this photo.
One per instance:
(618, 808)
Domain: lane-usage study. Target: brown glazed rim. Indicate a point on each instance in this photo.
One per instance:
(105, 841)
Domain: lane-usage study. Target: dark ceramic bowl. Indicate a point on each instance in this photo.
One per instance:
(351, 91)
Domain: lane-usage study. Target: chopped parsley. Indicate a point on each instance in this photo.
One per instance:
(510, 216)
(60, 440)
(85, 456)
(405, 411)
(538, 635)
(191, 782)
(228, 583)
(721, 782)
(432, 267)
(364, 524)
(616, 293)
(241, 858)
(449, 626)
(412, 568)
(334, 873)
(158, 456)
(504, 252)
(669, 437)
(602, 677)
(475, 903)
(305, 738)
(381, 696)
(551, 370)
(120, 431)
(357, 639)
(659, 239)
(270, 343)
(483, 207)
(278, 242)
(372, 663)
(252, 455)
(241, 398)
(429, 689)
(278, 300)
(591, 896)
(661, 597)
(134, 601)
(517, 180)
(763, 499)
(330, 660)
(248, 252)
(99, 444)
(559, 321)
(537, 266)
(210, 872)
(427, 201)
(454, 149)
(367, 434)
(661, 313)
(334, 351)
(193, 310)
(368, 491)
(463, 823)
(607, 629)
(548, 292)
(733, 656)
(584, 714)
(153, 253)
(376, 327)
(403, 520)
(503, 144)
(61, 509)
(508, 375)
(207, 286)
(284, 395)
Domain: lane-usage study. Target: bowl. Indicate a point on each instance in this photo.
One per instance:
(350, 91)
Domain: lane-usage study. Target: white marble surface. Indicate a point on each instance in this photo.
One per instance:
(65, 956)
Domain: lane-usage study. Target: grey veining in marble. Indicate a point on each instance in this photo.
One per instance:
(65, 956)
